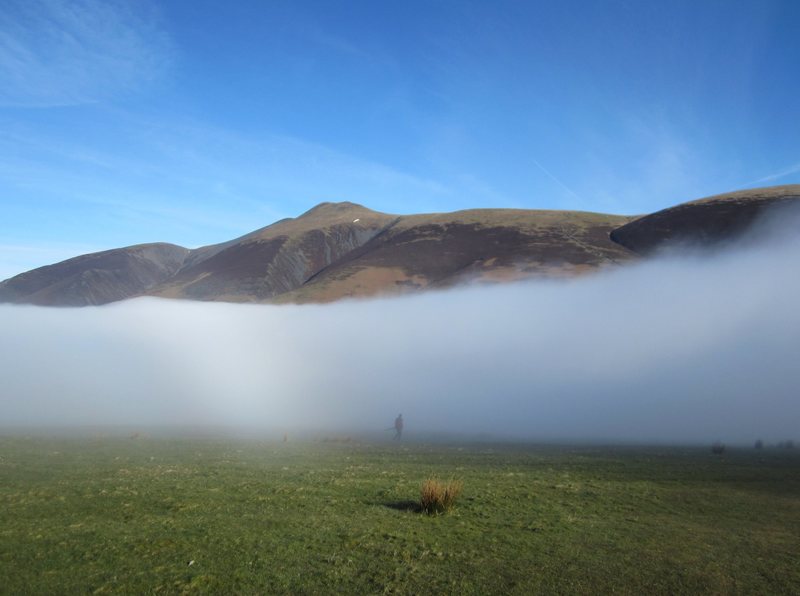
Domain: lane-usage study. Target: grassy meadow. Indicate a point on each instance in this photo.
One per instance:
(173, 516)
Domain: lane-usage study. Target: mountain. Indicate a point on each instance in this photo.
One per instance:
(96, 278)
(276, 259)
(338, 250)
(704, 223)
(480, 245)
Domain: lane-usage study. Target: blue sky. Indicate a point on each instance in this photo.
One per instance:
(196, 121)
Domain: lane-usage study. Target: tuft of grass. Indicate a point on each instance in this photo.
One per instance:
(439, 497)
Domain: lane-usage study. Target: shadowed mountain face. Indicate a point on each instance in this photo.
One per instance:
(339, 250)
(96, 278)
(705, 223)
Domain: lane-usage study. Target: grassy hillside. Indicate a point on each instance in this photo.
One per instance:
(474, 246)
(96, 278)
(186, 516)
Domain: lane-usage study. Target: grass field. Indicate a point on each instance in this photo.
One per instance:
(194, 516)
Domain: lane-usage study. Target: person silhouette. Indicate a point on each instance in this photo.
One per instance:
(398, 427)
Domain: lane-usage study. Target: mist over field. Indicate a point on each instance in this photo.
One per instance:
(681, 348)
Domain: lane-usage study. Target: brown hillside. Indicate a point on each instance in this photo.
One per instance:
(339, 250)
(481, 245)
(96, 278)
(705, 222)
(278, 258)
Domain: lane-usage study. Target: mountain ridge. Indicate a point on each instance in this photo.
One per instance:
(344, 250)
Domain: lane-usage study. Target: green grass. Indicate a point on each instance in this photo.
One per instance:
(118, 515)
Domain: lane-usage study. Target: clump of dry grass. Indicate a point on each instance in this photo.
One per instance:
(439, 497)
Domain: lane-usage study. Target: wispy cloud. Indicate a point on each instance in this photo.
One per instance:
(56, 52)
(558, 181)
(779, 174)
(186, 158)
(656, 162)
(181, 181)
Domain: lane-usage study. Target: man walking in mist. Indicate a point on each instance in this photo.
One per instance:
(398, 427)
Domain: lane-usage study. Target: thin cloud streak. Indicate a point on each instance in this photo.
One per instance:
(778, 175)
(557, 181)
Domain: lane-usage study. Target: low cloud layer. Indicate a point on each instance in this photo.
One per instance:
(677, 349)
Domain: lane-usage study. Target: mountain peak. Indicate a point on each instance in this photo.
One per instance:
(332, 208)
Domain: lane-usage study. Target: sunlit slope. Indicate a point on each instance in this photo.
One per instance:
(705, 222)
(276, 259)
(474, 246)
(96, 278)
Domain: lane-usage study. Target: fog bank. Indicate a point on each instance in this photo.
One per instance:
(675, 349)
